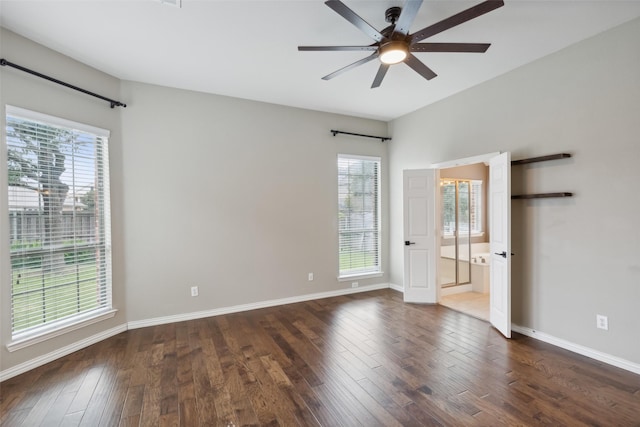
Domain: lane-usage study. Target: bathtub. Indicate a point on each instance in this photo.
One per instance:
(480, 253)
(480, 261)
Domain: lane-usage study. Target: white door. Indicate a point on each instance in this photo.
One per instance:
(500, 242)
(420, 248)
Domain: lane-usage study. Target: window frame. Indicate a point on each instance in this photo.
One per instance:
(362, 273)
(47, 330)
(477, 204)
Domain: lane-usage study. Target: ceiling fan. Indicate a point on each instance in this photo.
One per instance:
(394, 44)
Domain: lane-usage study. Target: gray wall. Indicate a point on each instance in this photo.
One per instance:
(22, 90)
(575, 257)
(236, 197)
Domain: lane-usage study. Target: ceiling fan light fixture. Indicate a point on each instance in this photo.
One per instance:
(394, 44)
(393, 52)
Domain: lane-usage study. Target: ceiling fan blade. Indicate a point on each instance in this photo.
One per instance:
(419, 67)
(336, 48)
(350, 66)
(450, 47)
(457, 19)
(352, 17)
(408, 14)
(382, 71)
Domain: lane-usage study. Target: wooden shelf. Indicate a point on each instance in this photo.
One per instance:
(540, 159)
(535, 160)
(540, 196)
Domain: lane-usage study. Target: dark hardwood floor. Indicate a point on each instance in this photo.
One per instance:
(365, 359)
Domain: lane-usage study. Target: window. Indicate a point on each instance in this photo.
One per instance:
(60, 238)
(454, 193)
(359, 215)
(476, 207)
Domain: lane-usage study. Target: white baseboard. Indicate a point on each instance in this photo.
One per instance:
(567, 345)
(49, 357)
(56, 354)
(576, 348)
(135, 324)
(395, 287)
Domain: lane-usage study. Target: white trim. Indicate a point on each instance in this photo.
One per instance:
(174, 3)
(576, 348)
(482, 158)
(46, 333)
(61, 352)
(55, 121)
(349, 274)
(567, 345)
(398, 288)
(251, 306)
(360, 157)
(50, 357)
(349, 277)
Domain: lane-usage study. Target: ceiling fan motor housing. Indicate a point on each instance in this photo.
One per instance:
(392, 14)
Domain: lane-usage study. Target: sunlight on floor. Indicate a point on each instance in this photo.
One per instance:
(472, 303)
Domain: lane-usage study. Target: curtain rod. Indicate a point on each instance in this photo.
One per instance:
(113, 102)
(381, 138)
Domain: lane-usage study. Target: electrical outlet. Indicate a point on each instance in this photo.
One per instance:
(602, 322)
(310, 277)
(194, 291)
(354, 284)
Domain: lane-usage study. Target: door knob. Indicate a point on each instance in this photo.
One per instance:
(503, 254)
(407, 243)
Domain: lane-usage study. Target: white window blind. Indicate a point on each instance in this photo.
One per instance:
(359, 215)
(60, 236)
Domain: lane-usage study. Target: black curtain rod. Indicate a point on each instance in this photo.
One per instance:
(113, 103)
(381, 138)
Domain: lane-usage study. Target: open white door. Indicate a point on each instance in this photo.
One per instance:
(420, 248)
(500, 242)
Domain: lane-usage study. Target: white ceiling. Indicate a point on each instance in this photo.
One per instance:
(248, 49)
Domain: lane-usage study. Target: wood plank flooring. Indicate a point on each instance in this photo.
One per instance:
(366, 359)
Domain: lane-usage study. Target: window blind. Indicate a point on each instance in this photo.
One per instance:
(476, 206)
(60, 237)
(358, 215)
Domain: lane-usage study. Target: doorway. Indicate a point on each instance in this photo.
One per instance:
(455, 232)
(463, 273)
(422, 235)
